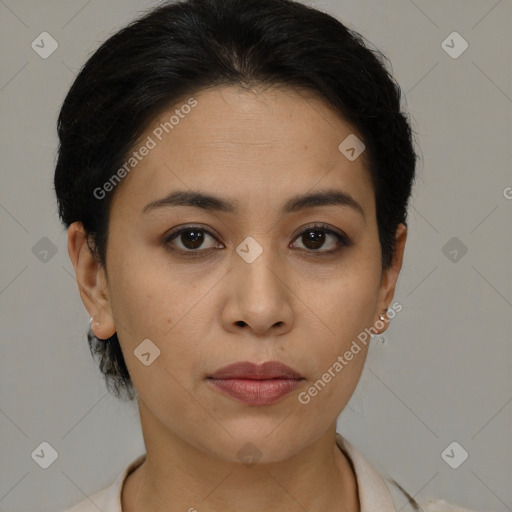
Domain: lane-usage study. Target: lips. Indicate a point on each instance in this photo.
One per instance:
(254, 384)
(248, 370)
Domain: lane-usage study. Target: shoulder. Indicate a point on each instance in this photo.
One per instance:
(373, 491)
(100, 500)
(444, 506)
(109, 498)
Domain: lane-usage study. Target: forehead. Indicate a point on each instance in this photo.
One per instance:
(255, 146)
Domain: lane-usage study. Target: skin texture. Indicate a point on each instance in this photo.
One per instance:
(259, 148)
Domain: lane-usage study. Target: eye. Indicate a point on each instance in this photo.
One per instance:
(314, 237)
(191, 239)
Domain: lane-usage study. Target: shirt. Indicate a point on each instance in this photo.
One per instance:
(373, 492)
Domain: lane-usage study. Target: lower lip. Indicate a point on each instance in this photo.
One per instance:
(256, 392)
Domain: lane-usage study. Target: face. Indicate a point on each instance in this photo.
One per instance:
(264, 278)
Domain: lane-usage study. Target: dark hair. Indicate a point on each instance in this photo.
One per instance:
(180, 48)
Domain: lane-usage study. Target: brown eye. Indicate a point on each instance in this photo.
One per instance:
(315, 237)
(189, 240)
(192, 238)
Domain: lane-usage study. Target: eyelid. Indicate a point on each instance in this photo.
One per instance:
(176, 232)
(324, 227)
(342, 238)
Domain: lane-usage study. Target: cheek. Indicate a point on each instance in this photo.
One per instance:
(346, 305)
(346, 308)
(329, 390)
(147, 307)
(339, 358)
(164, 307)
(145, 301)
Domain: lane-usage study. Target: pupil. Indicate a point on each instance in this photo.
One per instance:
(196, 239)
(317, 238)
(313, 239)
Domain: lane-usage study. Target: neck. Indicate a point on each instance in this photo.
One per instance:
(178, 476)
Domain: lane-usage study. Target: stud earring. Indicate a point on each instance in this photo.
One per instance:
(95, 323)
(382, 317)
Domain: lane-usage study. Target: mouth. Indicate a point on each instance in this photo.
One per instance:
(248, 370)
(256, 384)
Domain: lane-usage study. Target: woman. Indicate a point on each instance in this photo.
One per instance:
(234, 176)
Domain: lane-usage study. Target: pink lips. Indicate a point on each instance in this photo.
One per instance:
(256, 384)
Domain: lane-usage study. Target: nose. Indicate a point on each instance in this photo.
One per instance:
(259, 297)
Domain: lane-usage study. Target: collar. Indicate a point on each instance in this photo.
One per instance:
(372, 491)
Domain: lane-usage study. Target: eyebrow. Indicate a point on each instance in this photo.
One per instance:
(330, 197)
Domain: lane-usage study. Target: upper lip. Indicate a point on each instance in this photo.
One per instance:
(248, 370)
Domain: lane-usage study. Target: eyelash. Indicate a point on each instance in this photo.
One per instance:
(343, 241)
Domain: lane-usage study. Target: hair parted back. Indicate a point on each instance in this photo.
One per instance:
(180, 48)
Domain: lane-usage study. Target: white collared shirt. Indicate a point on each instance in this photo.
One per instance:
(374, 495)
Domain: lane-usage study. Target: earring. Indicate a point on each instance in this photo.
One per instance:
(95, 323)
(382, 317)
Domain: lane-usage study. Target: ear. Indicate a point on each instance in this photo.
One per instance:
(92, 282)
(390, 276)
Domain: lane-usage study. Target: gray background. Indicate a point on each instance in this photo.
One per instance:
(443, 370)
